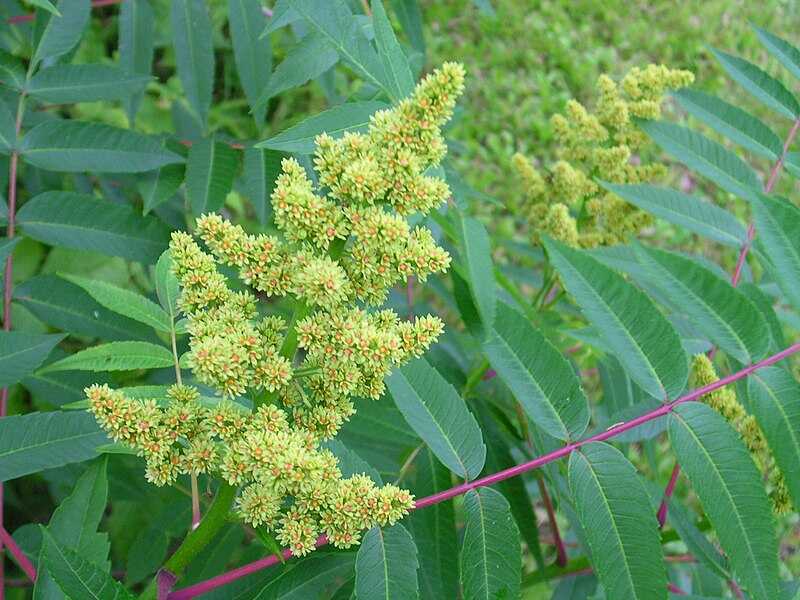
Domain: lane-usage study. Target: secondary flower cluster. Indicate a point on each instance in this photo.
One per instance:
(724, 401)
(336, 252)
(563, 201)
(291, 486)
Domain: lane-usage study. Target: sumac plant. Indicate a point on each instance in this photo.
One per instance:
(255, 346)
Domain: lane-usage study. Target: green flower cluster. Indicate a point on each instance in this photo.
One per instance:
(724, 401)
(335, 250)
(564, 202)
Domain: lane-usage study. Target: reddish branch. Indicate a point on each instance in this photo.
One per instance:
(18, 554)
(225, 578)
(737, 273)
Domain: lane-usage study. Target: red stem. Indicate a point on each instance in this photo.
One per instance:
(561, 551)
(220, 580)
(18, 554)
(737, 273)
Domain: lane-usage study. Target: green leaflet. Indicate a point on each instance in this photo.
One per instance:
(477, 256)
(696, 215)
(8, 130)
(731, 121)
(541, 379)
(125, 302)
(763, 86)
(62, 33)
(400, 81)
(386, 565)
(696, 542)
(788, 55)
(336, 121)
(491, 560)
(337, 24)
(775, 401)
(778, 225)
(410, 16)
(63, 84)
(37, 441)
(253, 55)
(705, 156)
(167, 286)
(86, 223)
(261, 169)
(21, 353)
(310, 578)
(115, 356)
(74, 525)
(719, 311)
(434, 530)
(158, 186)
(136, 28)
(194, 53)
(644, 342)
(729, 486)
(620, 527)
(440, 417)
(306, 60)
(75, 146)
(66, 306)
(76, 576)
(210, 170)
(350, 463)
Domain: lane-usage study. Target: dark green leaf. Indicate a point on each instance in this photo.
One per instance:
(644, 342)
(343, 32)
(763, 86)
(410, 17)
(8, 129)
(731, 121)
(351, 463)
(261, 169)
(775, 401)
(491, 559)
(620, 527)
(788, 55)
(156, 187)
(434, 530)
(311, 578)
(696, 542)
(115, 356)
(252, 54)
(400, 81)
(11, 72)
(64, 305)
(47, 5)
(719, 311)
(353, 116)
(778, 225)
(61, 34)
(78, 577)
(136, 29)
(696, 215)
(477, 256)
(194, 53)
(21, 353)
(439, 416)
(210, 171)
(38, 441)
(705, 156)
(62, 84)
(74, 525)
(75, 146)
(84, 222)
(541, 379)
(726, 480)
(386, 565)
(308, 59)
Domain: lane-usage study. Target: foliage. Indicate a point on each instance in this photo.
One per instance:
(254, 309)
